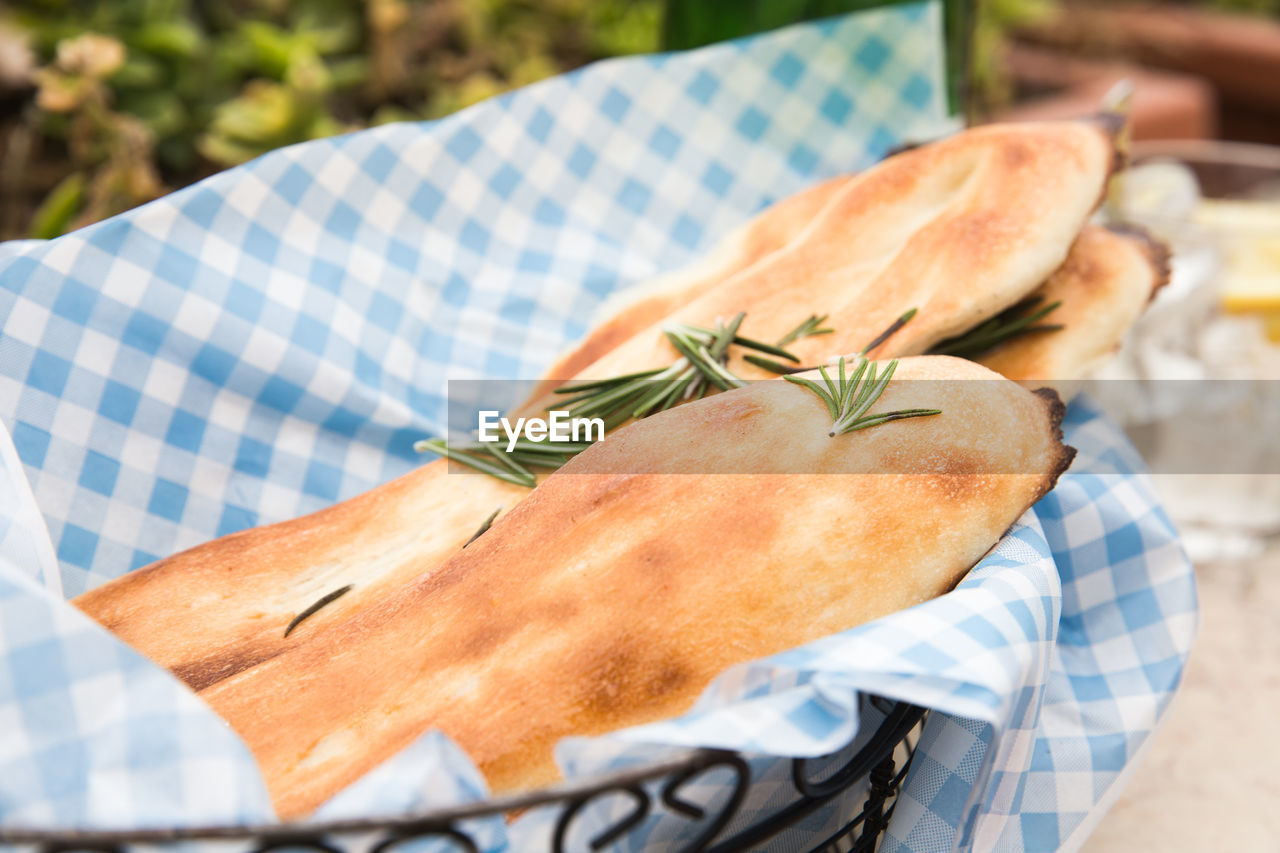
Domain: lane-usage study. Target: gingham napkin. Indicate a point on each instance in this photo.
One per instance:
(275, 338)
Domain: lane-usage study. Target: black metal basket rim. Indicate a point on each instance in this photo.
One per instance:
(898, 722)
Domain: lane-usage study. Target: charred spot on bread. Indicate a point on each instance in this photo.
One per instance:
(205, 672)
(1157, 252)
(1066, 453)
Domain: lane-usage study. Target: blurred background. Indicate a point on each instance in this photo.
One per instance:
(105, 104)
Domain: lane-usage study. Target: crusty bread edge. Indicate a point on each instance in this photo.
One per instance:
(1157, 251)
(1066, 454)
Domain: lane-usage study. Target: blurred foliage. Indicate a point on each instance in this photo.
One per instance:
(690, 23)
(136, 95)
(1264, 7)
(116, 101)
(990, 86)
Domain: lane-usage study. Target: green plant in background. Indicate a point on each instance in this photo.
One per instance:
(117, 100)
(156, 81)
(111, 152)
(996, 19)
(499, 44)
(290, 70)
(133, 90)
(1265, 7)
(134, 95)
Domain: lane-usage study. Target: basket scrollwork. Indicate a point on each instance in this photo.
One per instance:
(881, 762)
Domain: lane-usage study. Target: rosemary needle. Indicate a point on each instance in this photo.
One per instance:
(748, 343)
(888, 333)
(606, 383)
(774, 366)
(702, 368)
(479, 463)
(849, 396)
(760, 346)
(310, 611)
(484, 527)
(1008, 324)
(807, 329)
(810, 327)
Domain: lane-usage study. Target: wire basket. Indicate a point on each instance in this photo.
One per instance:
(879, 760)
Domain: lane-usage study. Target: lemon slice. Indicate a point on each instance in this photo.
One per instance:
(1250, 233)
(1244, 295)
(1261, 216)
(1271, 326)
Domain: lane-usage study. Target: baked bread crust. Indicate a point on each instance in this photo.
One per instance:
(981, 197)
(222, 607)
(960, 229)
(612, 598)
(655, 300)
(1108, 279)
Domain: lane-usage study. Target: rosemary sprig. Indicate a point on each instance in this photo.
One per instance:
(484, 527)
(1010, 323)
(485, 464)
(775, 366)
(888, 333)
(701, 369)
(785, 369)
(311, 611)
(849, 397)
(489, 457)
(807, 329)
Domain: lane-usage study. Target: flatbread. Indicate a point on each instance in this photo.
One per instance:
(975, 220)
(612, 598)
(1107, 281)
(959, 229)
(654, 300)
(221, 607)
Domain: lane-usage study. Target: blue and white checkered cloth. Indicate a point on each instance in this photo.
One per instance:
(275, 338)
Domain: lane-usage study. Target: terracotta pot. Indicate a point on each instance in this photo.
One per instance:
(1238, 55)
(1165, 105)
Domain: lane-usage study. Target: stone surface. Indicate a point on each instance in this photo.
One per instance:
(1212, 778)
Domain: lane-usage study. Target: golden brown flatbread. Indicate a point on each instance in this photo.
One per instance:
(612, 598)
(959, 229)
(654, 301)
(221, 607)
(1109, 277)
(993, 209)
